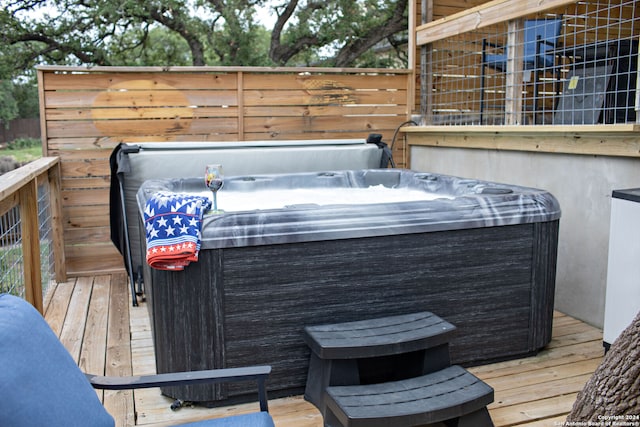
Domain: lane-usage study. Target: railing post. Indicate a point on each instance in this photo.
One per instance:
(28, 196)
(57, 231)
(515, 73)
(638, 89)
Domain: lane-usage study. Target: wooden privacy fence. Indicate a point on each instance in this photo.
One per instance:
(86, 112)
(20, 128)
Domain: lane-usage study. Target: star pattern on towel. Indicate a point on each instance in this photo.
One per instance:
(173, 223)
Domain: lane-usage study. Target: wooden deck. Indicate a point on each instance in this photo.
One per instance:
(94, 319)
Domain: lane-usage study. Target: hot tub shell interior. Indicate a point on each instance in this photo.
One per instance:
(483, 256)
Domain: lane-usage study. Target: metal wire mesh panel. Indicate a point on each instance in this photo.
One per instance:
(11, 265)
(601, 64)
(572, 66)
(11, 249)
(45, 222)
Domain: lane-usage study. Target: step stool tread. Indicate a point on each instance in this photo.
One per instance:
(438, 396)
(378, 337)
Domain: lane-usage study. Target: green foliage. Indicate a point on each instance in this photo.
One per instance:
(339, 32)
(18, 100)
(8, 104)
(194, 32)
(26, 96)
(11, 266)
(247, 49)
(22, 143)
(19, 152)
(157, 46)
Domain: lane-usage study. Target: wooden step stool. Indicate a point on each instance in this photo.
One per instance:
(374, 351)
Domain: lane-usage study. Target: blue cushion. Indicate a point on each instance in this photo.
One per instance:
(256, 419)
(40, 384)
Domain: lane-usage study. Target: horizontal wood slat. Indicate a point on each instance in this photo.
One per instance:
(142, 113)
(93, 258)
(347, 82)
(77, 236)
(139, 98)
(148, 128)
(86, 216)
(286, 124)
(88, 112)
(328, 97)
(140, 80)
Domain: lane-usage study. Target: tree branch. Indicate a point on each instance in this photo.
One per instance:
(350, 52)
(178, 23)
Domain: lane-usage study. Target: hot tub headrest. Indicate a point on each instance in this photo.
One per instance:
(168, 160)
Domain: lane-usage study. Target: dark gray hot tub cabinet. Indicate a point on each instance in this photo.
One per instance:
(247, 299)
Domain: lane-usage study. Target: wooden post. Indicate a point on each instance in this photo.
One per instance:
(43, 116)
(57, 231)
(426, 67)
(514, 77)
(28, 196)
(411, 78)
(240, 98)
(638, 88)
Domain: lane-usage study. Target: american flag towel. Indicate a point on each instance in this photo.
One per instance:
(173, 223)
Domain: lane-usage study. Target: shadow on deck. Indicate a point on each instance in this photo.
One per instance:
(95, 321)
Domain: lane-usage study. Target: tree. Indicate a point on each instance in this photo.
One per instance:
(158, 46)
(613, 392)
(196, 32)
(349, 28)
(8, 104)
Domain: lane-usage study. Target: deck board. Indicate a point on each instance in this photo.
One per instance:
(95, 320)
(120, 404)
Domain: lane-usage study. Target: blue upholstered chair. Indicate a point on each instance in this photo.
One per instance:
(540, 39)
(41, 385)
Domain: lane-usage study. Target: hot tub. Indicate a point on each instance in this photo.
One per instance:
(355, 245)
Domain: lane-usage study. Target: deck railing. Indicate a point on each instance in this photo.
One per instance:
(31, 242)
(516, 62)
